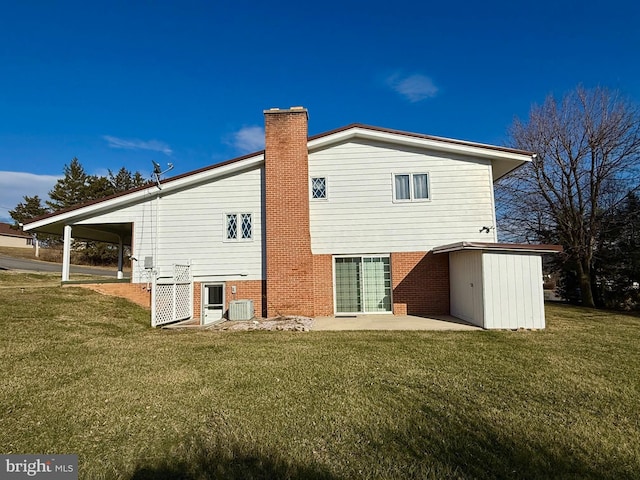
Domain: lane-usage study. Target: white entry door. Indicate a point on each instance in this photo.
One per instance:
(212, 303)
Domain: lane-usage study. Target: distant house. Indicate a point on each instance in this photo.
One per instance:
(358, 220)
(10, 237)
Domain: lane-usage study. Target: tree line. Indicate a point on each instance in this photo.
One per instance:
(580, 191)
(75, 188)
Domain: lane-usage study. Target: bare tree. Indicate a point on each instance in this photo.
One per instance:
(588, 160)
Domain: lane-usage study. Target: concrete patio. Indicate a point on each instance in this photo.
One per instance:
(391, 322)
(359, 322)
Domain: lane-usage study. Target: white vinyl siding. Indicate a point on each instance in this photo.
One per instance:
(360, 215)
(190, 226)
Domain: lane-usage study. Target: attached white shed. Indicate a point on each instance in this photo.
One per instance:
(497, 285)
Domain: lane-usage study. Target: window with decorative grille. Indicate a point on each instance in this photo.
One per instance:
(318, 187)
(239, 226)
(246, 226)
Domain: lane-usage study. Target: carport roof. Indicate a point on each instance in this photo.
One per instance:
(103, 232)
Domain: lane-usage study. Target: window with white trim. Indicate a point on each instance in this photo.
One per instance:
(318, 188)
(238, 226)
(410, 187)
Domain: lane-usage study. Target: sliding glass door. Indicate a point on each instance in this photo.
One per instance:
(363, 284)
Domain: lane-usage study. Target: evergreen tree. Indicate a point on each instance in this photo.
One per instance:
(138, 180)
(70, 190)
(125, 180)
(75, 188)
(29, 208)
(98, 187)
(617, 257)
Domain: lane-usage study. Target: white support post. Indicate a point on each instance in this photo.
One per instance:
(120, 254)
(66, 253)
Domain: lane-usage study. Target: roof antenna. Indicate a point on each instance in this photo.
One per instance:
(157, 171)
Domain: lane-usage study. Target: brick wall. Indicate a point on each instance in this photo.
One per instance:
(135, 292)
(197, 300)
(420, 283)
(290, 279)
(247, 290)
(323, 284)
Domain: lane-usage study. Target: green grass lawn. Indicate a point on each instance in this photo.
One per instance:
(85, 374)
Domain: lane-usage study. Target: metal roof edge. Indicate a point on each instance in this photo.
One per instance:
(148, 190)
(499, 247)
(353, 129)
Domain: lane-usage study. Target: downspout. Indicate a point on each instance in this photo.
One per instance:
(157, 234)
(494, 217)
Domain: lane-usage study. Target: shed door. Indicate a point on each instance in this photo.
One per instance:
(465, 276)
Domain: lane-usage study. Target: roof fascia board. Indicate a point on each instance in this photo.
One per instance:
(499, 247)
(425, 143)
(147, 193)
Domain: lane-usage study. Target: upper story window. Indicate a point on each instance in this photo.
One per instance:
(318, 187)
(410, 187)
(238, 226)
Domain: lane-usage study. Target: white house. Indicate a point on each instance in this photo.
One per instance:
(356, 220)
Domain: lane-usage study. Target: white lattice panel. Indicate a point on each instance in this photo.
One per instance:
(163, 304)
(172, 300)
(182, 273)
(183, 301)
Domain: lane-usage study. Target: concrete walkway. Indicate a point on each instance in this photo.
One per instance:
(390, 322)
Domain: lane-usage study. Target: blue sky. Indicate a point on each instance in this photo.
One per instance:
(121, 83)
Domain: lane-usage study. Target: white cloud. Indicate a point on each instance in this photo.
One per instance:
(135, 144)
(414, 88)
(249, 139)
(15, 185)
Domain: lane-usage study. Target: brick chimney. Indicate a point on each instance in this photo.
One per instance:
(290, 287)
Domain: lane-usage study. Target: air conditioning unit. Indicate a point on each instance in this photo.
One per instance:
(240, 310)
